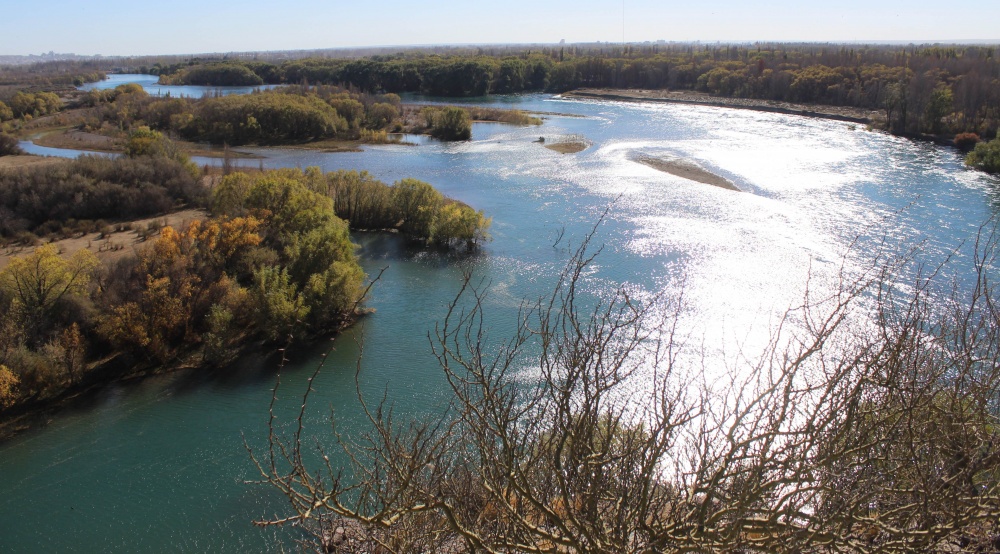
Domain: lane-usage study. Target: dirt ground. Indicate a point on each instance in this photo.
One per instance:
(112, 246)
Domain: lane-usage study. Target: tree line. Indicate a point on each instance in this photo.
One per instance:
(920, 89)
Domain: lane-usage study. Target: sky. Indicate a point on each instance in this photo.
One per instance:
(118, 27)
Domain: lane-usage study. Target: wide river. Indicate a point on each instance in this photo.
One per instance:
(161, 465)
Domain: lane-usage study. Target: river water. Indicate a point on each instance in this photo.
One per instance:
(161, 465)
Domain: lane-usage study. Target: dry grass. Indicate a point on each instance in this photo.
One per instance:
(112, 245)
(13, 162)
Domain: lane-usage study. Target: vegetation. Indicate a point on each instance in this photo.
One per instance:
(9, 145)
(920, 89)
(77, 194)
(448, 123)
(411, 207)
(985, 156)
(836, 439)
(52, 74)
(273, 261)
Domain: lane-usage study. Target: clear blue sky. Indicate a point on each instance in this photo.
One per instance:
(117, 27)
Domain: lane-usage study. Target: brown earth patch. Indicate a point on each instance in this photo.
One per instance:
(131, 237)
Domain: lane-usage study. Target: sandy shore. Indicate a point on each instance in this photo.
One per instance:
(838, 113)
(685, 170)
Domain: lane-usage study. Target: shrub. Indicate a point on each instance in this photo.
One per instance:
(966, 141)
(985, 156)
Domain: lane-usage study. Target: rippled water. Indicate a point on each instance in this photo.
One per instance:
(160, 465)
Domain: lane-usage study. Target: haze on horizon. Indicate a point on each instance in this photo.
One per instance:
(116, 27)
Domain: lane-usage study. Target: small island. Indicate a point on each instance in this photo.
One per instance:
(685, 170)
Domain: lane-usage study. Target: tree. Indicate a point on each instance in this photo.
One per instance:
(837, 439)
(449, 123)
(8, 387)
(9, 145)
(39, 282)
(146, 142)
(416, 204)
(985, 156)
(939, 106)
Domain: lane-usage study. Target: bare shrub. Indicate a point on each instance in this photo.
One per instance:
(842, 437)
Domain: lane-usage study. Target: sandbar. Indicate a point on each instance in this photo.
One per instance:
(685, 170)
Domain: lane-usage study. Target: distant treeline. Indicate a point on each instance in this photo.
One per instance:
(57, 74)
(932, 89)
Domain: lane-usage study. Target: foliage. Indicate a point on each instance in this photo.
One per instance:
(412, 207)
(145, 142)
(8, 387)
(218, 74)
(34, 104)
(966, 141)
(92, 188)
(448, 123)
(262, 118)
(9, 145)
(985, 156)
(39, 283)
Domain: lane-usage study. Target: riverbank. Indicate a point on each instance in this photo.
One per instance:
(838, 113)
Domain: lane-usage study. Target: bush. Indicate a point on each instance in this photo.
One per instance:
(985, 156)
(966, 141)
(9, 145)
(448, 123)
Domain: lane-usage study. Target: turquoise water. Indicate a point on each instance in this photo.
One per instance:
(161, 465)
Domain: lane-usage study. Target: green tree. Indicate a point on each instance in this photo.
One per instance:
(417, 205)
(985, 156)
(939, 106)
(449, 123)
(147, 142)
(281, 309)
(37, 283)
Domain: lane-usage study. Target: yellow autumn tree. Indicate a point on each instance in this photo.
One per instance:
(8, 387)
(38, 282)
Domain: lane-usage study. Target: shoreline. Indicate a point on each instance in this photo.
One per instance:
(836, 113)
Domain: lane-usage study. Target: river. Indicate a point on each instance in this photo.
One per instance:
(161, 465)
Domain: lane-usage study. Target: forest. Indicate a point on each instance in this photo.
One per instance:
(921, 89)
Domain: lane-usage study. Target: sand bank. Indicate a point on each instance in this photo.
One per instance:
(684, 170)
